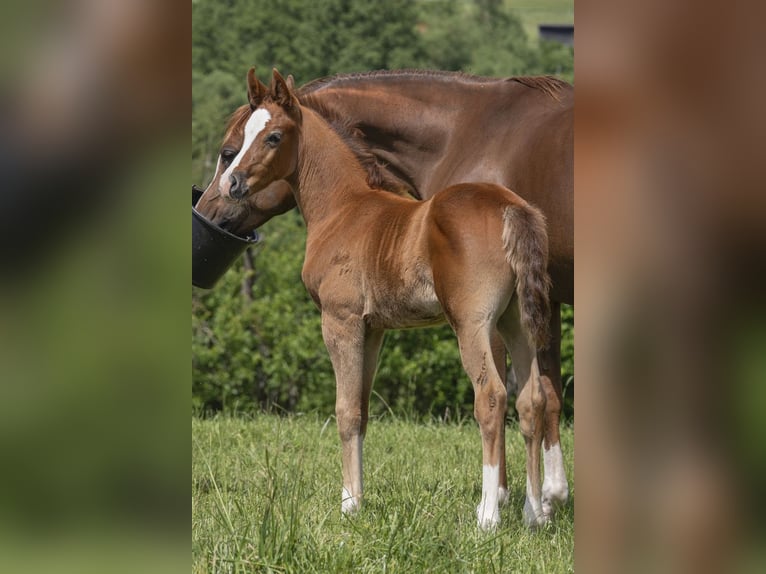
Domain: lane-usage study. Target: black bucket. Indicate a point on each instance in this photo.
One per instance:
(214, 250)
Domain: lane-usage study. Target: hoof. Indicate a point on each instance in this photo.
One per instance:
(502, 496)
(554, 498)
(488, 517)
(533, 520)
(349, 505)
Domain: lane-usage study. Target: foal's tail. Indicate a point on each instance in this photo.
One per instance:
(525, 239)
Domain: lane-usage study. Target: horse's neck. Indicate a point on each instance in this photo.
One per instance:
(407, 129)
(399, 107)
(328, 174)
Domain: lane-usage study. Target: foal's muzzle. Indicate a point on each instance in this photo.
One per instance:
(238, 182)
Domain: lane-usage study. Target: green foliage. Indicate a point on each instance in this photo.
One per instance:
(480, 37)
(263, 349)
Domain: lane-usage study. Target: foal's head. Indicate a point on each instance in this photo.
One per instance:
(256, 151)
(269, 151)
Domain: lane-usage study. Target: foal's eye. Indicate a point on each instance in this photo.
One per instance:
(227, 156)
(273, 139)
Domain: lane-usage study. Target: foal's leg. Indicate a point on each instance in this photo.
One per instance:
(530, 404)
(499, 353)
(354, 354)
(373, 341)
(555, 488)
(490, 406)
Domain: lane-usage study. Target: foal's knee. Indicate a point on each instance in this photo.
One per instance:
(490, 405)
(350, 422)
(531, 405)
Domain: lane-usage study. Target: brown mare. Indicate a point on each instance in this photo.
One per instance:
(474, 255)
(428, 130)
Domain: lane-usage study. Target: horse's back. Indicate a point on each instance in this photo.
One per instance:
(508, 135)
(464, 202)
(466, 227)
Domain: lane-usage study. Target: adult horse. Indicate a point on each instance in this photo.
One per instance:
(429, 130)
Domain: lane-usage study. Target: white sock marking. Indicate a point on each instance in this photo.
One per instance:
(502, 496)
(555, 487)
(533, 511)
(348, 503)
(487, 512)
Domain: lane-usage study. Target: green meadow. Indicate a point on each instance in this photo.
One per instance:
(266, 498)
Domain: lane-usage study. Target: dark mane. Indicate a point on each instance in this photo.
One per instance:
(340, 79)
(550, 85)
(353, 137)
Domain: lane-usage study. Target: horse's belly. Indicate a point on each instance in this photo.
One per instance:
(417, 306)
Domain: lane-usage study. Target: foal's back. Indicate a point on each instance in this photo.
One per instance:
(401, 261)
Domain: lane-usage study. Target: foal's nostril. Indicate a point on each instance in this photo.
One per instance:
(238, 185)
(234, 187)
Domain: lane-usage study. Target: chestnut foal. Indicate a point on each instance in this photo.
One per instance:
(474, 255)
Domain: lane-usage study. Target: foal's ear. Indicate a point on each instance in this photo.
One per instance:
(291, 82)
(282, 91)
(256, 90)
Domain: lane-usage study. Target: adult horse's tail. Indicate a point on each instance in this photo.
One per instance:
(525, 239)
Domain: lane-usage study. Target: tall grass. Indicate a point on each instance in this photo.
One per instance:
(266, 498)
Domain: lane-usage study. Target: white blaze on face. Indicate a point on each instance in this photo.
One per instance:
(255, 125)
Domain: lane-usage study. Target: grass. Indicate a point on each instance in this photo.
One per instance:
(266, 498)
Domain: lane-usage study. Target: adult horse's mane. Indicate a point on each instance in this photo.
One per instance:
(550, 85)
(377, 177)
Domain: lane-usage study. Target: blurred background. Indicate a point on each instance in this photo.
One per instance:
(95, 374)
(669, 235)
(94, 356)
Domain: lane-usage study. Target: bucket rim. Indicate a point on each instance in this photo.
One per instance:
(251, 239)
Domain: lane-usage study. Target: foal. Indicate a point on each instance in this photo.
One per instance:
(474, 255)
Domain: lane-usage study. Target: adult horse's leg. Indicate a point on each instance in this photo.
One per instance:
(490, 406)
(499, 354)
(555, 488)
(530, 404)
(353, 356)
